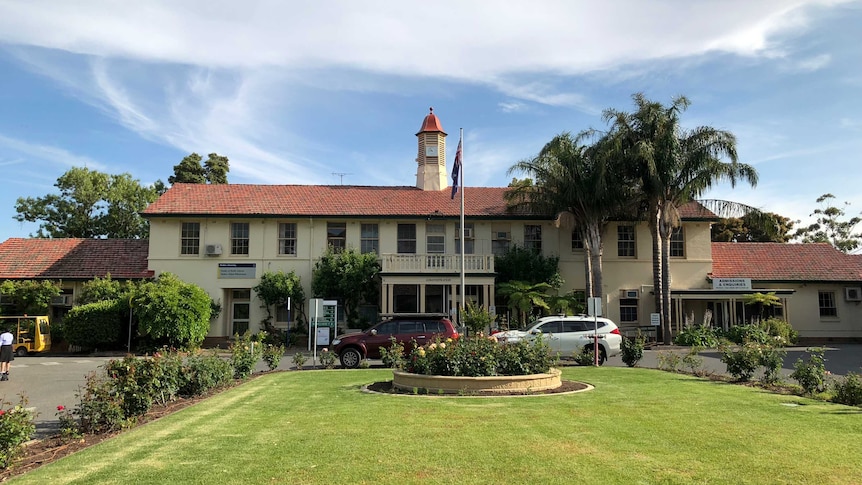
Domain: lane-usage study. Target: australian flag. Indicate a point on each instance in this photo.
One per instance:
(456, 170)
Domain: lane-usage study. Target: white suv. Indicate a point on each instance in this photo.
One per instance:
(571, 334)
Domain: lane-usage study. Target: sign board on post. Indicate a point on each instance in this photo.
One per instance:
(322, 335)
(594, 306)
(654, 319)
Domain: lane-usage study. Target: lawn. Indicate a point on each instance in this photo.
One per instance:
(637, 426)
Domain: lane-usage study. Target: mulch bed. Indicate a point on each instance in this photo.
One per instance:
(385, 387)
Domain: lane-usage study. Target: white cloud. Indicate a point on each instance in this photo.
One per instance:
(39, 152)
(814, 63)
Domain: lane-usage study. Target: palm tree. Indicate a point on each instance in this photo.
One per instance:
(523, 297)
(573, 181)
(673, 167)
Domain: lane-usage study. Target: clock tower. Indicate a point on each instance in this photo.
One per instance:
(431, 171)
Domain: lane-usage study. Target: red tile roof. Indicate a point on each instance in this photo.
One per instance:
(73, 258)
(338, 200)
(784, 262)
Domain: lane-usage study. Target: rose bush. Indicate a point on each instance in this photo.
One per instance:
(480, 356)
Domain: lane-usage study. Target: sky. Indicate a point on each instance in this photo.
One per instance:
(332, 92)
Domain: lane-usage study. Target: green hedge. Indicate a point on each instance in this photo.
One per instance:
(95, 325)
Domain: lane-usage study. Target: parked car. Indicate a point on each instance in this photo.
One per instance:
(570, 335)
(406, 328)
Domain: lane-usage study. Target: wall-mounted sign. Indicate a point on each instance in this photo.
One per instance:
(731, 284)
(237, 270)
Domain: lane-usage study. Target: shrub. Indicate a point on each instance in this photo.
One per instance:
(16, 427)
(525, 358)
(780, 330)
(393, 357)
(476, 318)
(205, 372)
(772, 359)
(244, 354)
(272, 354)
(99, 409)
(811, 375)
(632, 349)
(668, 360)
(740, 334)
(172, 311)
(586, 357)
(697, 336)
(69, 428)
(849, 390)
(693, 361)
(299, 360)
(742, 362)
(94, 325)
(327, 358)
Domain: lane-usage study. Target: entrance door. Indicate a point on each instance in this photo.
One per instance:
(240, 311)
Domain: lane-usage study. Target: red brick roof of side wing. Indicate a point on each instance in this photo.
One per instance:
(74, 258)
(341, 200)
(784, 262)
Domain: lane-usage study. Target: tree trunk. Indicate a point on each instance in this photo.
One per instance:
(657, 274)
(594, 241)
(665, 231)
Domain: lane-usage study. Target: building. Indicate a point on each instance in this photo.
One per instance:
(224, 237)
(71, 263)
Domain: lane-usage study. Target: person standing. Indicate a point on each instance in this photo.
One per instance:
(6, 339)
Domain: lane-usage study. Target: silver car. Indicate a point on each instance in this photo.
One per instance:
(570, 335)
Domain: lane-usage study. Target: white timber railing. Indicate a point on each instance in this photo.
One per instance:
(437, 263)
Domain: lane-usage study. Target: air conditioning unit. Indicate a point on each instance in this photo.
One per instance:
(853, 293)
(504, 236)
(629, 294)
(61, 300)
(212, 249)
(468, 233)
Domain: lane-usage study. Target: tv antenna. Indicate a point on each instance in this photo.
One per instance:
(341, 176)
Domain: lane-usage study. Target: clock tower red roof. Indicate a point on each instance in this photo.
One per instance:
(431, 124)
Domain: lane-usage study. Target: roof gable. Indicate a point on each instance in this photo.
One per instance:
(73, 258)
(784, 262)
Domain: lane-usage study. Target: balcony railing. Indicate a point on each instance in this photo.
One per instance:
(437, 263)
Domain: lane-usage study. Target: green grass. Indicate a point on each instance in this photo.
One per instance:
(637, 426)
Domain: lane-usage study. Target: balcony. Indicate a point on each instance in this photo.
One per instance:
(436, 263)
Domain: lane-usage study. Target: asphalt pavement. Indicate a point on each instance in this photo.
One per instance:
(50, 380)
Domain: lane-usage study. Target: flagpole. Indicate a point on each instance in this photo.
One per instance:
(463, 237)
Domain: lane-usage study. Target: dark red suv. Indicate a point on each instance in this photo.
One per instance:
(406, 328)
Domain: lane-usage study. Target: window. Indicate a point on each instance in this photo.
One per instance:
(677, 243)
(336, 236)
(287, 238)
(190, 238)
(628, 310)
(626, 241)
(554, 326)
(533, 237)
(501, 239)
(435, 238)
(282, 314)
(577, 240)
(406, 238)
(369, 239)
(827, 304)
(239, 238)
(469, 241)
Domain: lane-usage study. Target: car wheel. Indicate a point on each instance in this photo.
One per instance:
(350, 358)
(21, 352)
(603, 356)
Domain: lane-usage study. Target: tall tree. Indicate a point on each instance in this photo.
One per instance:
(90, 204)
(347, 276)
(190, 170)
(830, 228)
(575, 182)
(748, 229)
(674, 166)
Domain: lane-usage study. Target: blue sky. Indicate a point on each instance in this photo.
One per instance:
(295, 93)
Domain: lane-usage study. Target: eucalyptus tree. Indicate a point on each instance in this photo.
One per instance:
(579, 185)
(673, 166)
